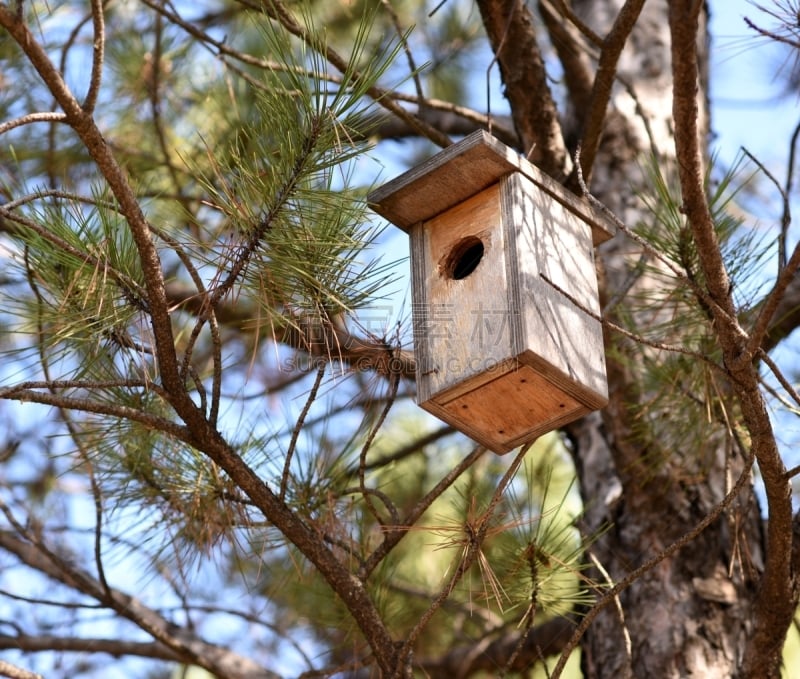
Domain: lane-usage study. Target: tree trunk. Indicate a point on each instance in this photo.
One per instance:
(688, 616)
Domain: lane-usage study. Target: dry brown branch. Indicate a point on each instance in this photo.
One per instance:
(509, 24)
(182, 643)
(611, 49)
(778, 597)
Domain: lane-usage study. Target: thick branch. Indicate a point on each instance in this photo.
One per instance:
(449, 119)
(786, 317)
(778, 596)
(114, 647)
(768, 309)
(509, 25)
(688, 151)
(543, 641)
(594, 119)
(338, 343)
(572, 53)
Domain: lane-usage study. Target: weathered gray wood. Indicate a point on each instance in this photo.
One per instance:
(553, 253)
(512, 348)
(462, 170)
(466, 330)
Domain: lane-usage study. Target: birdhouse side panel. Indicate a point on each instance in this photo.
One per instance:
(459, 288)
(557, 288)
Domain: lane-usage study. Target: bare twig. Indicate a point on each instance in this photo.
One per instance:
(28, 119)
(14, 672)
(98, 52)
(394, 382)
(287, 463)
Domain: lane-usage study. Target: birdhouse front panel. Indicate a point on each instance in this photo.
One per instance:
(461, 310)
(507, 338)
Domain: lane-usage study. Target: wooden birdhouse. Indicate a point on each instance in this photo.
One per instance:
(502, 273)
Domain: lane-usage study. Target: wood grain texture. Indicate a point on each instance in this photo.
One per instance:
(465, 329)
(512, 348)
(462, 170)
(513, 409)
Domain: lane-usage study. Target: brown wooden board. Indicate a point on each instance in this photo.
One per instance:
(509, 411)
(462, 170)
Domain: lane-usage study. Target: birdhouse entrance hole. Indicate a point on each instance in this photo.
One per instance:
(464, 258)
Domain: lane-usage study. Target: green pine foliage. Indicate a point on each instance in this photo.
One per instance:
(677, 363)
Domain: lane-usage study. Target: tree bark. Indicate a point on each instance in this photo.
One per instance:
(689, 616)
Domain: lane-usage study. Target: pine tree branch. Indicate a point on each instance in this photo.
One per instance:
(415, 446)
(276, 10)
(38, 643)
(784, 293)
(182, 642)
(350, 589)
(24, 394)
(785, 318)
(338, 343)
(509, 25)
(444, 116)
(202, 435)
(85, 127)
(14, 224)
(767, 309)
(394, 534)
(475, 532)
(489, 654)
(691, 171)
(610, 51)
(778, 596)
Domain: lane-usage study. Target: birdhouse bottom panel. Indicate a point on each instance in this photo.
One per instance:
(517, 407)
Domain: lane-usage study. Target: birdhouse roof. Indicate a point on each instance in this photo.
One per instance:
(459, 172)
